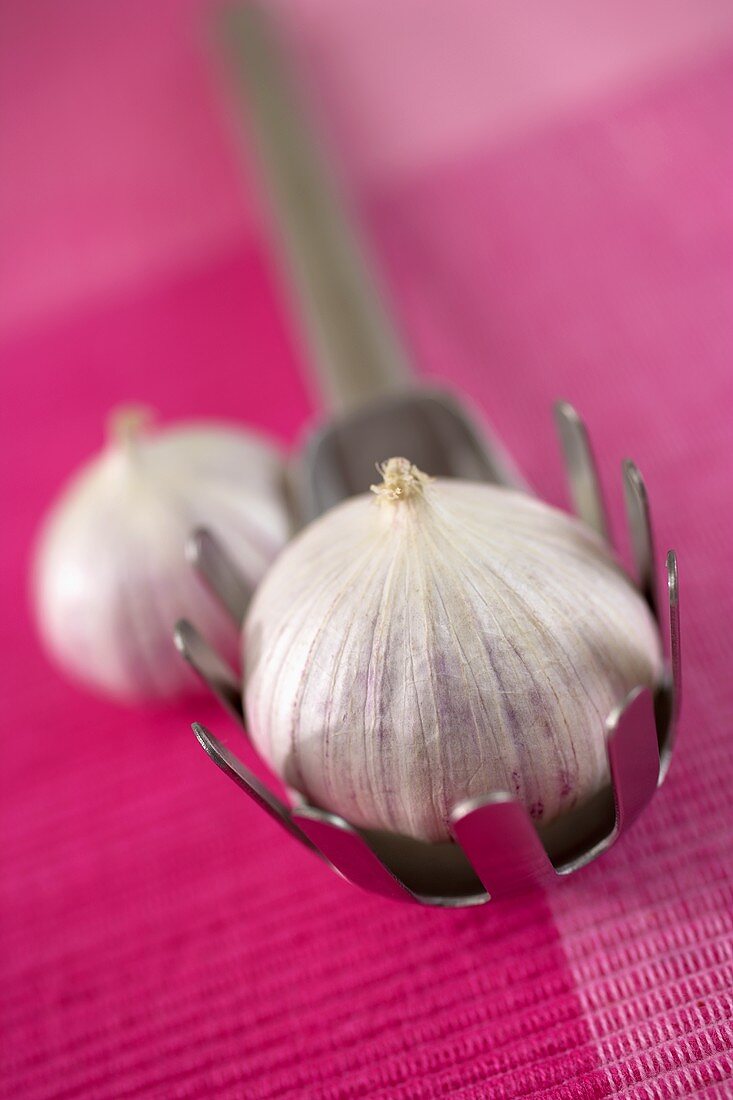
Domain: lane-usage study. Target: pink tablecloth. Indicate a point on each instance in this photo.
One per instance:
(158, 936)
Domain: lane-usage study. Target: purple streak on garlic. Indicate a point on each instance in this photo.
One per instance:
(442, 640)
(111, 577)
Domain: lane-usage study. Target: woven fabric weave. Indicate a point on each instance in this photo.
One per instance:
(159, 936)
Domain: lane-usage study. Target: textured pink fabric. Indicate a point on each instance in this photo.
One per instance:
(159, 936)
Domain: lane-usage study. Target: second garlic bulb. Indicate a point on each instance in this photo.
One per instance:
(439, 641)
(111, 577)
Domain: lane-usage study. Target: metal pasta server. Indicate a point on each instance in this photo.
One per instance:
(496, 848)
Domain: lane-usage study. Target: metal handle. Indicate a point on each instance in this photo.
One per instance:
(355, 351)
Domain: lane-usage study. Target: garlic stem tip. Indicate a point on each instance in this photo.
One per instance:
(401, 480)
(127, 422)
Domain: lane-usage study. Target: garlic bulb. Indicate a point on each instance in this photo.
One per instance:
(439, 641)
(111, 577)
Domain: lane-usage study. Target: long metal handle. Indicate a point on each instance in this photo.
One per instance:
(354, 348)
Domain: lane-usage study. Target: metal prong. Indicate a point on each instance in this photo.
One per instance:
(349, 853)
(670, 692)
(673, 587)
(585, 487)
(642, 541)
(250, 784)
(212, 669)
(497, 835)
(221, 576)
(633, 753)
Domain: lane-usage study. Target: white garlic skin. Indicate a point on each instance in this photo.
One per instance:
(406, 653)
(111, 578)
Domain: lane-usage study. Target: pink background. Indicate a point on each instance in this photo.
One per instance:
(549, 199)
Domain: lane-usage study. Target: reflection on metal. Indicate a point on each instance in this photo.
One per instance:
(671, 699)
(212, 669)
(249, 783)
(498, 836)
(673, 589)
(585, 487)
(221, 576)
(348, 852)
(633, 754)
(640, 529)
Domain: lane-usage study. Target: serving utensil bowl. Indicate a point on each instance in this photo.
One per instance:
(496, 849)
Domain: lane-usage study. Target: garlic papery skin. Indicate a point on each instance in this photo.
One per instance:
(438, 641)
(111, 577)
